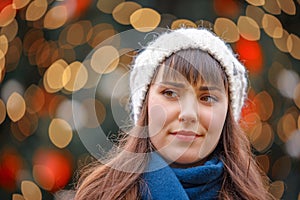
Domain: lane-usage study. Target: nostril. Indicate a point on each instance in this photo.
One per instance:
(187, 118)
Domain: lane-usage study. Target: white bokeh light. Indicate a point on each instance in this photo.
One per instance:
(292, 145)
(287, 82)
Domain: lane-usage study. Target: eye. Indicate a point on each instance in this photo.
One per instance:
(209, 99)
(170, 93)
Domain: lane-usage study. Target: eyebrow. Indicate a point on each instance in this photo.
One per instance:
(181, 85)
(174, 84)
(208, 88)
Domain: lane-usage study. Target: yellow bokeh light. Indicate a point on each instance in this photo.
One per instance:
(15, 107)
(293, 46)
(252, 125)
(145, 19)
(248, 28)
(289, 124)
(255, 13)
(46, 86)
(3, 45)
(286, 126)
(28, 124)
(13, 54)
(296, 96)
(54, 75)
(10, 31)
(126, 56)
(256, 2)
(226, 29)
(33, 36)
(105, 59)
(78, 76)
(2, 66)
(60, 133)
(62, 39)
(254, 131)
(7, 15)
(96, 113)
(56, 17)
(122, 12)
(15, 131)
(100, 33)
(282, 42)
(77, 33)
(281, 168)
(277, 189)
(43, 54)
(107, 6)
(179, 23)
(272, 7)
(17, 197)
(265, 105)
(31, 191)
(265, 138)
(2, 111)
(36, 10)
(264, 162)
(287, 6)
(18, 4)
(272, 26)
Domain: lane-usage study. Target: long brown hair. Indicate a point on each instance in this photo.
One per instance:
(242, 178)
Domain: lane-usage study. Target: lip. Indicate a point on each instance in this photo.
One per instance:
(186, 135)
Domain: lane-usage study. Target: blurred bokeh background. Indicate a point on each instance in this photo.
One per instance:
(43, 46)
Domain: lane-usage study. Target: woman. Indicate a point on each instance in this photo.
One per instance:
(187, 91)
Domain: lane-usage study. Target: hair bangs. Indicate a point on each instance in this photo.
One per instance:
(194, 65)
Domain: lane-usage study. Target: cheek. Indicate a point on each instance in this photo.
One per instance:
(157, 119)
(214, 123)
(213, 119)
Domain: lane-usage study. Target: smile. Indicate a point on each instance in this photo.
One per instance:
(186, 135)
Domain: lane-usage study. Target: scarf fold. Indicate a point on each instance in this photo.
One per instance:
(164, 182)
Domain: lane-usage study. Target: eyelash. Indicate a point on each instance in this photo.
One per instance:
(165, 93)
(210, 99)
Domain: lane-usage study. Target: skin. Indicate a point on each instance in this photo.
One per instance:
(186, 121)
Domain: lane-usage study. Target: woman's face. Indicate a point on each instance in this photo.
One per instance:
(185, 121)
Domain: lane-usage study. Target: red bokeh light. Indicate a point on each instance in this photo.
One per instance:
(52, 168)
(77, 7)
(227, 8)
(250, 53)
(10, 165)
(4, 3)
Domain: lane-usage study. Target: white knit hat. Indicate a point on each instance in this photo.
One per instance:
(187, 38)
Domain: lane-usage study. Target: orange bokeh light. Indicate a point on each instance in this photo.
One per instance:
(53, 168)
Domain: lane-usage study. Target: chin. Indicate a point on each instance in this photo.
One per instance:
(187, 161)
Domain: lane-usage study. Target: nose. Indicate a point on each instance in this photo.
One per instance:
(189, 111)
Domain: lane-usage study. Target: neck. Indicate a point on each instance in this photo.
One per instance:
(188, 165)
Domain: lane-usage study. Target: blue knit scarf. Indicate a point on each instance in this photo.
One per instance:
(166, 183)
